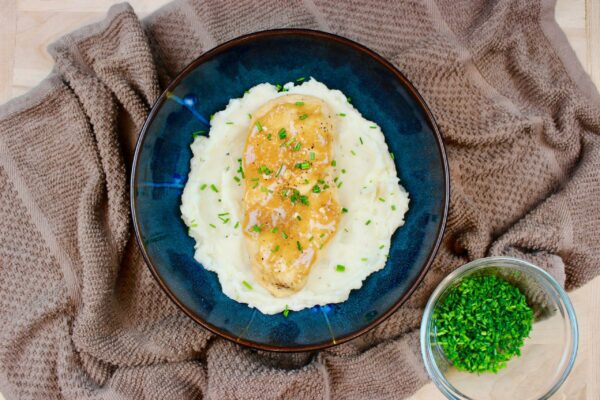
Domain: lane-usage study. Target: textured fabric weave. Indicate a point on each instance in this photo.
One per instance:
(81, 316)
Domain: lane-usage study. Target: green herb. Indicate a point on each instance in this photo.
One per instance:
(282, 133)
(195, 134)
(255, 185)
(229, 123)
(340, 268)
(214, 188)
(279, 170)
(364, 259)
(343, 171)
(236, 225)
(299, 103)
(339, 185)
(224, 217)
(254, 179)
(258, 126)
(300, 79)
(310, 239)
(316, 189)
(368, 222)
(322, 235)
(381, 199)
(349, 99)
(381, 247)
(482, 323)
(284, 235)
(276, 249)
(312, 155)
(321, 181)
(278, 87)
(344, 210)
(303, 165)
(303, 117)
(212, 226)
(286, 311)
(298, 217)
(249, 116)
(298, 246)
(274, 230)
(361, 141)
(373, 127)
(211, 116)
(269, 137)
(342, 114)
(237, 179)
(393, 207)
(240, 169)
(297, 146)
(245, 283)
(203, 186)
(333, 163)
(256, 228)
(304, 200)
(392, 156)
(264, 170)
(353, 152)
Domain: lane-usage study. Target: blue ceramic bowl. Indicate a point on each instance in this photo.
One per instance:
(161, 165)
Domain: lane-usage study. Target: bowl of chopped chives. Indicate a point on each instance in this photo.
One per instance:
(499, 328)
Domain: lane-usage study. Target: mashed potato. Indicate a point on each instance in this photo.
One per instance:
(373, 203)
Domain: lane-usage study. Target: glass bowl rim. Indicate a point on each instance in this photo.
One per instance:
(430, 365)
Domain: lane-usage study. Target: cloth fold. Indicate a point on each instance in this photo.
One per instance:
(82, 316)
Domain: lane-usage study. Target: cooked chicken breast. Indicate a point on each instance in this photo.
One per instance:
(291, 210)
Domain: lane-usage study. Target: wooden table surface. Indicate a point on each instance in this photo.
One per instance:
(28, 26)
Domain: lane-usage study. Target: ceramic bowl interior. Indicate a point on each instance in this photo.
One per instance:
(161, 166)
(547, 356)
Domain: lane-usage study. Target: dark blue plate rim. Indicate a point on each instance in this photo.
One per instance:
(324, 36)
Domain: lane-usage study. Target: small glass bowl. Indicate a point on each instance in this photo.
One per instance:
(547, 356)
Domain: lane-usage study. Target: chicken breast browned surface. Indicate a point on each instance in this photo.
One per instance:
(290, 202)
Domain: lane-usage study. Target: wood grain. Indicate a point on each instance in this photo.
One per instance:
(28, 26)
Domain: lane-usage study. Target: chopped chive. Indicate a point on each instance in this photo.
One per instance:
(364, 259)
(353, 152)
(256, 228)
(274, 230)
(322, 235)
(286, 312)
(298, 246)
(265, 190)
(306, 181)
(343, 171)
(310, 239)
(245, 283)
(393, 207)
(212, 225)
(381, 247)
(340, 268)
(276, 249)
(240, 170)
(249, 116)
(269, 137)
(195, 134)
(368, 222)
(312, 155)
(255, 185)
(325, 186)
(349, 99)
(344, 210)
(263, 169)
(299, 103)
(279, 170)
(258, 126)
(297, 146)
(373, 127)
(392, 156)
(278, 87)
(214, 188)
(336, 179)
(381, 199)
(339, 185)
(254, 179)
(342, 114)
(236, 225)
(316, 189)
(211, 116)
(304, 200)
(361, 141)
(300, 79)
(333, 163)
(282, 133)
(203, 186)
(229, 123)
(321, 181)
(284, 235)
(304, 165)
(237, 179)
(298, 217)
(303, 117)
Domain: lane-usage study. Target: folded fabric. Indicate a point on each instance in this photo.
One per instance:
(81, 315)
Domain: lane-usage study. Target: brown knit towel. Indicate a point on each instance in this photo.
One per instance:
(82, 318)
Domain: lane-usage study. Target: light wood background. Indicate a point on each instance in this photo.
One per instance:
(28, 26)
